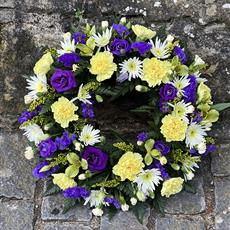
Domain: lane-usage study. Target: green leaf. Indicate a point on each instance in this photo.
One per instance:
(72, 158)
(72, 171)
(221, 106)
(51, 189)
(112, 212)
(139, 211)
(68, 204)
(189, 188)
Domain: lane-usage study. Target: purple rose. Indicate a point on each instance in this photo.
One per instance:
(47, 147)
(162, 147)
(38, 174)
(96, 158)
(180, 54)
(69, 59)
(168, 92)
(141, 47)
(76, 192)
(65, 140)
(121, 29)
(79, 38)
(63, 80)
(190, 90)
(119, 47)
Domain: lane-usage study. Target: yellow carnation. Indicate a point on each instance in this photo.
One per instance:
(142, 32)
(172, 186)
(102, 65)
(155, 71)
(63, 181)
(42, 66)
(128, 166)
(63, 111)
(173, 128)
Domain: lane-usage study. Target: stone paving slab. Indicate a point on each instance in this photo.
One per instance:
(16, 215)
(15, 171)
(52, 209)
(221, 161)
(176, 223)
(222, 207)
(65, 226)
(185, 202)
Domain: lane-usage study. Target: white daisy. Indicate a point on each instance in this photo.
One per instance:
(36, 84)
(188, 167)
(132, 67)
(182, 109)
(102, 40)
(83, 95)
(160, 49)
(147, 180)
(194, 135)
(180, 84)
(68, 45)
(96, 198)
(33, 132)
(89, 136)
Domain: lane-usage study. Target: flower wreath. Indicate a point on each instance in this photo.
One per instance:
(104, 64)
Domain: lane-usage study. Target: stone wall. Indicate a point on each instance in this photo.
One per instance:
(27, 27)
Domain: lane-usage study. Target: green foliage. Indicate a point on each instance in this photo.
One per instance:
(68, 204)
(210, 140)
(124, 147)
(189, 188)
(127, 188)
(51, 189)
(221, 106)
(107, 184)
(139, 211)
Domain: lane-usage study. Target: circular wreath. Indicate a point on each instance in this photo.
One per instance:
(106, 63)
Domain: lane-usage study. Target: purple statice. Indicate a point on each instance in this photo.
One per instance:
(113, 201)
(210, 148)
(168, 92)
(143, 136)
(157, 164)
(68, 59)
(96, 158)
(38, 174)
(87, 110)
(162, 147)
(190, 90)
(121, 29)
(76, 192)
(141, 47)
(26, 115)
(164, 108)
(197, 118)
(79, 38)
(180, 54)
(122, 77)
(120, 47)
(47, 147)
(65, 140)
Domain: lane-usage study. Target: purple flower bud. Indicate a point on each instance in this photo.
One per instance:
(143, 136)
(164, 108)
(87, 110)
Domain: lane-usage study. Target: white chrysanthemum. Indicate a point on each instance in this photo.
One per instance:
(68, 45)
(36, 84)
(102, 40)
(132, 67)
(194, 135)
(180, 84)
(89, 136)
(188, 167)
(147, 180)
(159, 49)
(96, 198)
(33, 132)
(83, 95)
(182, 109)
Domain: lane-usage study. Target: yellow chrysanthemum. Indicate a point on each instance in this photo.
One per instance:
(129, 165)
(155, 71)
(172, 186)
(173, 128)
(142, 32)
(63, 111)
(42, 66)
(63, 181)
(102, 65)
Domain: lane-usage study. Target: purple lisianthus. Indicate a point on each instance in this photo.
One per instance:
(143, 136)
(47, 147)
(96, 158)
(141, 47)
(121, 29)
(164, 108)
(190, 90)
(76, 192)
(210, 148)
(65, 140)
(113, 201)
(120, 47)
(38, 174)
(162, 147)
(63, 80)
(68, 59)
(180, 54)
(87, 110)
(197, 118)
(168, 92)
(79, 38)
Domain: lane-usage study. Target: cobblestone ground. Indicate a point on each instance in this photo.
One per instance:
(26, 28)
